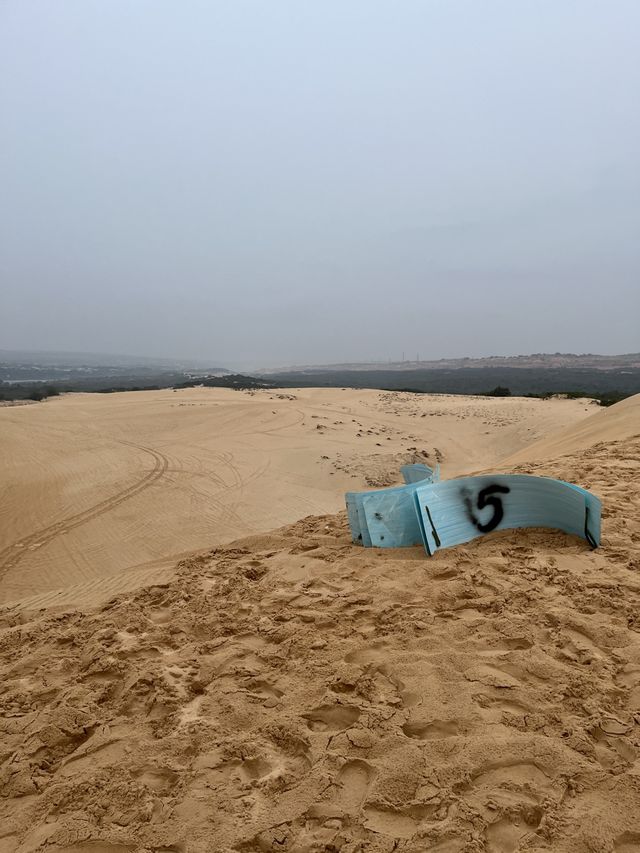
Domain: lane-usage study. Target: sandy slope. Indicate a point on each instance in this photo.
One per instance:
(619, 422)
(102, 493)
(294, 692)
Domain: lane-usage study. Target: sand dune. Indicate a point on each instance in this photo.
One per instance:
(291, 691)
(612, 424)
(96, 485)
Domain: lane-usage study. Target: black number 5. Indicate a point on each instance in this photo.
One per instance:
(485, 499)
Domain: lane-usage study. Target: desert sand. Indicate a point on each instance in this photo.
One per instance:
(102, 493)
(289, 690)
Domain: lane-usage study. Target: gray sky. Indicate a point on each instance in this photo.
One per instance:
(293, 182)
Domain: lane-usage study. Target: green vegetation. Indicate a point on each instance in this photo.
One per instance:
(41, 393)
(498, 391)
(606, 386)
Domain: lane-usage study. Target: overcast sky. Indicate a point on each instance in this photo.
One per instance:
(279, 181)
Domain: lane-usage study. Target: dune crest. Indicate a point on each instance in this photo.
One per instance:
(610, 424)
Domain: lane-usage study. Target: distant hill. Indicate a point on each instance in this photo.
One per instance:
(45, 359)
(539, 361)
(607, 377)
(37, 375)
(32, 375)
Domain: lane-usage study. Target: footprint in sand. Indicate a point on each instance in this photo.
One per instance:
(353, 781)
(332, 718)
(254, 768)
(104, 676)
(446, 574)
(396, 824)
(433, 730)
(509, 782)
(409, 698)
(236, 771)
(509, 796)
(492, 707)
(580, 648)
(388, 822)
(611, 745)
(104, 755)
(628, 842)
(160, 615)
(368, 655)
(159, 779)
(629, 676)
(265, 691)
(505, 835)
(237, 660)
(502, 645)
(492, 676)
(141, 696)
(177, 677)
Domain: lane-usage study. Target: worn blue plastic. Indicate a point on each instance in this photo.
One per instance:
(387, 517)
(441, 514)
(392, 522)
(457, 511)
(419, 472)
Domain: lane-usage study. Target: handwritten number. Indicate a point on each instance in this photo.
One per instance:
(486, 498)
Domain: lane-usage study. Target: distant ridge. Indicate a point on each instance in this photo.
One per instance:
(543, 361)
(606, 377)
(53, 358)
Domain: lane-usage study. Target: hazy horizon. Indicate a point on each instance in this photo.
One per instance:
(270, 185)
(95, 359)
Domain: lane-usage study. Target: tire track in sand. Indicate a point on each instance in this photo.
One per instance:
(12, 555)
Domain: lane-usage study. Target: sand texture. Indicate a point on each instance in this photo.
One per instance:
(104, 492)
(293, 692)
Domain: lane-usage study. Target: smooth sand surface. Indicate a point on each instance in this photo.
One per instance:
(609, 424)
(291, 691)
(104, 492)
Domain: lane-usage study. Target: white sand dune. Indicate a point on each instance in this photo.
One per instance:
(291, 691)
